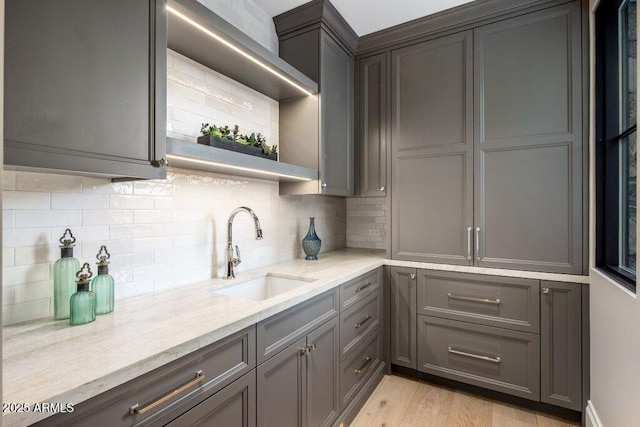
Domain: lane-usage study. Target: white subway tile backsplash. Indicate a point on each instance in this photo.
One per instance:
(29, 310)
(48, 218)
(78, 201)
(16, 237)
(8, 219)
(19, 294)
(8, 257)
(130, 231)
(152, 243)
(29, 255)
(26, 200)
(35, 181)
(107, 217)
(130, 202)
(21, 275)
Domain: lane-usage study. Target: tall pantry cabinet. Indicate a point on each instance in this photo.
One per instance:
(487, 145)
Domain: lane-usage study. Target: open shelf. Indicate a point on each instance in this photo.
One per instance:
(198, 33)
(190, 155)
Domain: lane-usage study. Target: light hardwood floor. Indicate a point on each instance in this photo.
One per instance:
(399, 401)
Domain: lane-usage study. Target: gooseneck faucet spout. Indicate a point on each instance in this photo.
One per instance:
(231, 260)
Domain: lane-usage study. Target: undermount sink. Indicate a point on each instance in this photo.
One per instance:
(263, 287)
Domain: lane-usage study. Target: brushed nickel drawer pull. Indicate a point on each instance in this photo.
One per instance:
(363, 287)
(482, 300)
(477, 243)
(136, 409)
(475, 356)
(469, 238)
(359, 370)
(363, 321)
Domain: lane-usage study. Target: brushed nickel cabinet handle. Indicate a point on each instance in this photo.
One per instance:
(324, 185)
(359, 370)
(474, 356)
(159, 163)
(469, 231)
(136, 409)
(545, 290)
(382, 188)
(477, 243)
(363, 287)
(363, 321)
(412, 276)
(495, 301)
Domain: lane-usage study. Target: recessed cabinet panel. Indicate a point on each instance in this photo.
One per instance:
(403, 316)
(527, 206)
(526, 77)
(430, 82)
(432, 208)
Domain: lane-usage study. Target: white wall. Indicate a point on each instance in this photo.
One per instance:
(615, 331)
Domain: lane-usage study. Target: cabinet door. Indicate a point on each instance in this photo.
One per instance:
(281, 387)
(86, 90)
(322, 375)
(432, 150)
(372, 122)
(561, 344)
(529, 142)
(233, 406)
(403, 316)
(336, 119)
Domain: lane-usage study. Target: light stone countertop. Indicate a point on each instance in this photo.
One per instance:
(50, 361)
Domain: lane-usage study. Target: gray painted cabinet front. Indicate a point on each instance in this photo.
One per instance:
(487, 145)
(402, 331)
(300, 385)
(529, 142)
(233, 406)
(432, 160)
(561, 344)
(85, 86)
(372, 125)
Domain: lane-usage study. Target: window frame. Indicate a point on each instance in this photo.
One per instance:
(608, 101)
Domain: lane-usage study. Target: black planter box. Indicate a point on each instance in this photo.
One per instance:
(225, 144)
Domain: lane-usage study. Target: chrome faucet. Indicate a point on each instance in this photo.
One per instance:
(231, 260)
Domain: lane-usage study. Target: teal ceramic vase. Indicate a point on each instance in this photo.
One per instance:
(311, 242)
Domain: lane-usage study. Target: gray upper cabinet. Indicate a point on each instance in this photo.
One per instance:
(85, 86)
(487, 145)
(317, 132)
(373, 93)
(561, 344)
(431, 118)
(529, 142)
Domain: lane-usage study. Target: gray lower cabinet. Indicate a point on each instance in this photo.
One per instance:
(561, 344)
(299, 385)
(494, 358)
(487, 145)
(168, 392)
(233, 406)
(403, 296)
(86, 91)
(372, 128)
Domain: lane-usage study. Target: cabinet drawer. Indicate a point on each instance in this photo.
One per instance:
(358, 321)
(356, 289)
(504, 302)
(220, 364)
(494, 358)
(357, 368)
(278, 332)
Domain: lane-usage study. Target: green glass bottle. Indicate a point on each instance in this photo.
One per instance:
(103, 285)
(83, 302)
(64, 274)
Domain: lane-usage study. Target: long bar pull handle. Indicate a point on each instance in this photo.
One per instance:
(477, 243)
(136, 409)
(363, 287)
(359, 370)
(482, 300)
(469, 237)
(363, 321)
(474, 356)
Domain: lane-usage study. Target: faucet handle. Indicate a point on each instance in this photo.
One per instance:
(237, 260)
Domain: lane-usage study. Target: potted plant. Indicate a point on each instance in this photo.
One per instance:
(231, 139)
